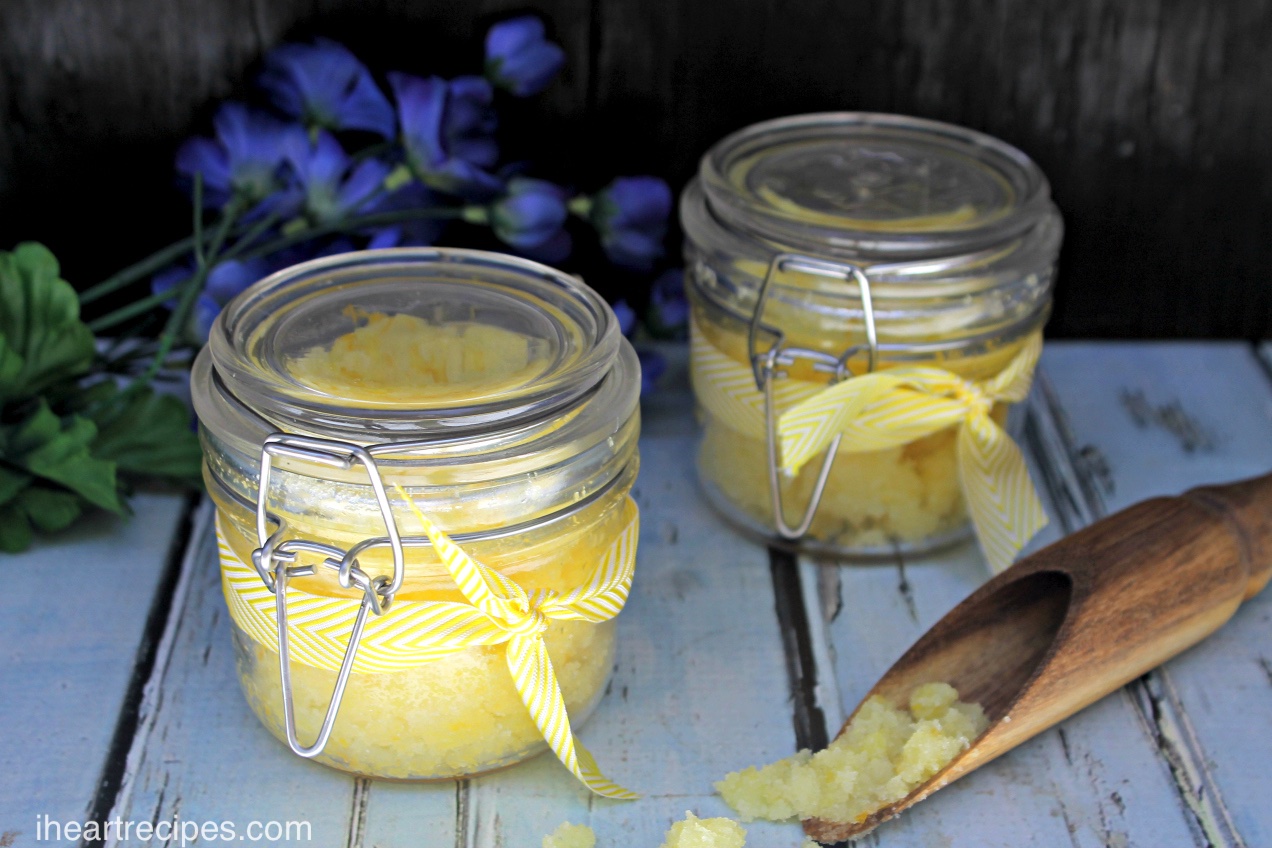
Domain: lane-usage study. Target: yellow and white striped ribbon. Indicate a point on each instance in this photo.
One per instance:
(889, 408)
(412, 633)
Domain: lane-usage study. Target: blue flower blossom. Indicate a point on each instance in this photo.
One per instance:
(630, 215)
(224, 282)
(303, 252)
(519, 58)
(530, 213)
(418, 232)
(652, 363)
(667, 302)
(551, 252)
(626, 317)
(330, 184)
(324, 85)
(652, 367)
(244, 160)
(447, 132)
(167, 279)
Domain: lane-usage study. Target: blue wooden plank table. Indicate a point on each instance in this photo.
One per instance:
(120, 700)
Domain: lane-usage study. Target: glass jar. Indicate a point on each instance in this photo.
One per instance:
(823, 246)
(495, 395)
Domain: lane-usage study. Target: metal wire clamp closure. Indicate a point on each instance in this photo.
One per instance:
(272, 562)
(768, 365)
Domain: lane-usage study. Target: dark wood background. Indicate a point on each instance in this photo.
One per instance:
(1153, 118)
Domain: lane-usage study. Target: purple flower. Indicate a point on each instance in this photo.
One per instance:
(244, 160)
(305, 251)
(630, 215)
(329, 183)
(555, 250)
(447, 131)
(667, 302)
(419, 232)
(324, 85)
(652, 363)
(626, 317)
(205, 311)
(232, 276)
(530, 213)
(224, 282)
(518, 57)
(168, 279)
(652, 366)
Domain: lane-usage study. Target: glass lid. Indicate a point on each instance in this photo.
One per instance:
(873, 184)
(412, 340)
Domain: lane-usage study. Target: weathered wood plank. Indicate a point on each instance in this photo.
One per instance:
(1166, 418)
(73, 619)
(1096, 780)
(200, 754)
(705, 681)
(700, 689)
(1093, 782)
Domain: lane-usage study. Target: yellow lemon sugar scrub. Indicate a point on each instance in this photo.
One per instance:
(824, 248)
(446, 441)
(570, 836)
(883, 754)
(694, 832)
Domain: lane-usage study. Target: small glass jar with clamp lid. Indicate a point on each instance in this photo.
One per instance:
(821, 247)
(353, 408)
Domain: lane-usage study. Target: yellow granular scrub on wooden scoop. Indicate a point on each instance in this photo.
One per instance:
(884, 753)
(570, 836)
(694, 832)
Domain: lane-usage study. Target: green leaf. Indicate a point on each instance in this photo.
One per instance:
(12, 482)
(58, 450)
(87, 397)
(42, 339)
(15, 529)
(147, 433)
(11, 365)
(50, 509)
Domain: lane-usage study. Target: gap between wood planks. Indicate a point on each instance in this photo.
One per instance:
(1069, 474)
(1075, 484)
(115, 766)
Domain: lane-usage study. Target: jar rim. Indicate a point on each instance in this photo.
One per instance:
(252, 342)
(872, 186)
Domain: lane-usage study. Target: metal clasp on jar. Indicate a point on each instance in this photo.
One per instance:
(274, 557)
(272, 562)
(768, 365)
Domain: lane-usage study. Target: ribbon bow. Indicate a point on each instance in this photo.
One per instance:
(524, 616)
(412, 633)
(889, 408)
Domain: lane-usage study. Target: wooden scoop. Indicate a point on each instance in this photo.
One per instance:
(1077, 620)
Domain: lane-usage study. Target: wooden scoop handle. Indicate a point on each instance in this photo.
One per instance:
(1147, 583)
(1082, 617)
(1247, 509)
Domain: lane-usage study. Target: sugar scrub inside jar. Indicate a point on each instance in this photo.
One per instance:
(448, 441)
(822, 247)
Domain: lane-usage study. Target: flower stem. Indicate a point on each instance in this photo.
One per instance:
(257, 230)
(156, 261)
(177, 320)
(152, 263)
(137, 307)
(200, 259)
(348, 224)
